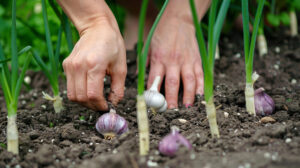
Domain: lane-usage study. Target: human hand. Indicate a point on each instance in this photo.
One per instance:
(174, 53)
(99, 51)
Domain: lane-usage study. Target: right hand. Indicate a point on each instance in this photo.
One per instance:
(100, 51)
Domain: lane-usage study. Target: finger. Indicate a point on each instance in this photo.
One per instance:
(189, 85)
(71, 92)
(199, 79)
(118, 77)
(172, 86)
(95, 89)
(155, 70)
(80, 83)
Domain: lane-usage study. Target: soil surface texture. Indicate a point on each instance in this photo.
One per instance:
(69, 139)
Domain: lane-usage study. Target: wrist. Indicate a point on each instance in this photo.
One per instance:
(88, 13)
(181, 10)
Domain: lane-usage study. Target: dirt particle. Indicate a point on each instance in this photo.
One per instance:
(267, 120)
(69, 132)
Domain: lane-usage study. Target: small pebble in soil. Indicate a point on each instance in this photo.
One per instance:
(192, 156)
(267, 120)
(34, 94)
(27, 80)
(114, 151)
(181, 120)
(274, 156)
(43, 106)
(288, 140)
(151, 164)
(18, 166)
(29, 150)
(277, 49)
(293, 81)
(237, 55)
(276, 66)
(267, 155)
(226, 114)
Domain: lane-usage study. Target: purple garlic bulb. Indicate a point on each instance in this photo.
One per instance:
(111, 124)
(264, 104)
(170, 143)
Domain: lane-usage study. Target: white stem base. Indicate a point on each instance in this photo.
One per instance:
(262, 45)
(57, 102)
(143, 125)
(249, 97)
(12, 135)
(293, 24)
(211, 116)
(217, 53)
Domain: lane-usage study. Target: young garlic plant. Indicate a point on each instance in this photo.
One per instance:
(293, 23)
(51, 73)
(11, 81)
(216, 20)
(249, 52)
(154, 99)
(217, 54)
(142, 117)
(261, 41)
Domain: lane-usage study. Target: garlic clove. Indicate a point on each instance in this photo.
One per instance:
(111, 124)
(164, 107)
(154, 99)
(171, 143)
(264, 104)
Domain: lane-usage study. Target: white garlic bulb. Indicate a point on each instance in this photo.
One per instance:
(154, 99)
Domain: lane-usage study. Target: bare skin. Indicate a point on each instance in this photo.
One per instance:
(101, 51)
(174, 52)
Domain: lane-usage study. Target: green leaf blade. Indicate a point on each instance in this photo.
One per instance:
(143, 56)
(14, 50)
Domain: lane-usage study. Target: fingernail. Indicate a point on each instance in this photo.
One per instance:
(188, 105)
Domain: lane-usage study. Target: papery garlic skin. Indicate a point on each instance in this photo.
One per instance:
(154, 99)
(171, 143)
(264, 104)
(111, 124)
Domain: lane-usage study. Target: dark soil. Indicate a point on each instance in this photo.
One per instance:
(63, 140)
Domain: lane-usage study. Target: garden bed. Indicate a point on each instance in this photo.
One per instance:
(70, 139)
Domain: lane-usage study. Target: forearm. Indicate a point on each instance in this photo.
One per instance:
(86, 13)
(181, 9)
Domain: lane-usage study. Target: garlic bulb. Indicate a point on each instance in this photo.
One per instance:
(154, 99)
(264, 104)
(111, 124)
(170, 143)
